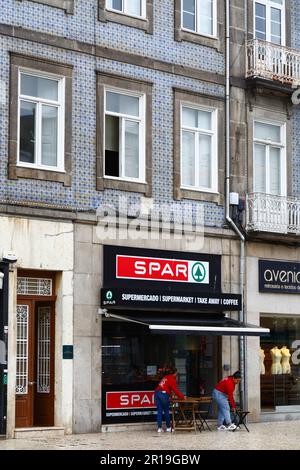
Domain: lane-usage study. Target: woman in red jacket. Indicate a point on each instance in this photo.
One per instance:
(162, 395)
(223, 395)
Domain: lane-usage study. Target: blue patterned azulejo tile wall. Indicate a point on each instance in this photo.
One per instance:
(85, 26)
(83, 193)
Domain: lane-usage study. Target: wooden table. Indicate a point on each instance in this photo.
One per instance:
(184, 414)
(187, 415)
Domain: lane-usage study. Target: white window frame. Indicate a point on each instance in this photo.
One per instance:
(214, 148)
(124, 10)
(141, 119)
(270, 4)
(198, 16)
(60, 105)
(283, 155)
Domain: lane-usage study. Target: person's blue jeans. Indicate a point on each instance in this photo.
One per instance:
(223, 407)
(162, 401)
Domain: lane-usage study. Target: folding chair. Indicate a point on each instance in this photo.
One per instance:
(202, 415)
(241, 418)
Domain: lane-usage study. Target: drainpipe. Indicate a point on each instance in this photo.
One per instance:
(227, 206)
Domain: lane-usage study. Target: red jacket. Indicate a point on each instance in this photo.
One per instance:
(168, 384)
(227, 386)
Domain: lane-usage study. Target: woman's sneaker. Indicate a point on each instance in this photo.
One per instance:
(169, 430)
(159, 430)
(222, 428)
(231, 427)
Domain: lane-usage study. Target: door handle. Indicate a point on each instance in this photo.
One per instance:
(32, 383)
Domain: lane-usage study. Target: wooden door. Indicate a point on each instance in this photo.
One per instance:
(43, 410)
(25, 364)
(35, 364)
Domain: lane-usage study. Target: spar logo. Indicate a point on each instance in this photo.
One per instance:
(109, 295)
(198, 272)
(162, 269)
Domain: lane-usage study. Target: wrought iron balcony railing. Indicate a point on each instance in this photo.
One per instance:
(268, 213)
(272, 62)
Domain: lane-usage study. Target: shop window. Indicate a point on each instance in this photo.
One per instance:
(67, 5)
(40, 124)
(280, 364)
(134, 361)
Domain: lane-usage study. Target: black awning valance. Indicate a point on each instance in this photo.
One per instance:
(166, 300)
(189, 323)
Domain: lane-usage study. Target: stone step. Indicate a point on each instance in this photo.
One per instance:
(28, 433)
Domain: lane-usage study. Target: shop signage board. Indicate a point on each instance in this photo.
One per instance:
(128, 403)
(161, 269)
(279, 276)
(116, 298)
(130, 400)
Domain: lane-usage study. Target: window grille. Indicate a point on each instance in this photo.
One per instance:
(43, 365)
(22, 350)
(34, 286)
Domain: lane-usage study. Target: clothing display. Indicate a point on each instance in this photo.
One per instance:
(276, 367)
(262, 358)
(285, 360)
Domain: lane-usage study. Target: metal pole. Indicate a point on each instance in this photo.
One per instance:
(4, 268)
(227, 193)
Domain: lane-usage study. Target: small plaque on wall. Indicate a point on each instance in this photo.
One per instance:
(67, 351)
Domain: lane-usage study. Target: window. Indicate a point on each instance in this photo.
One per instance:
(134, 360)
(128, 7)
(200, 16)
(133, 13)
(269, 21)
(124, 107)
(40, 127)
(198, 149)
(124, 136)
(280, 370)
(41, 123)
(269, 158)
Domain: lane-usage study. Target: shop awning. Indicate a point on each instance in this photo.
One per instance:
(191, 323)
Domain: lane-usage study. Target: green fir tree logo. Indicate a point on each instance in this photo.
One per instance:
(198, 272)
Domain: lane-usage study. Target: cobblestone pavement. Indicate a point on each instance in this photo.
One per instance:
(262, 436)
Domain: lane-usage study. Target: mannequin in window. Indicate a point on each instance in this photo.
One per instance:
(276, 367)
(285, 360)
(261, 361)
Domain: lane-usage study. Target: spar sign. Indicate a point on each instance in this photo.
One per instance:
(130, 400)
(162, 269)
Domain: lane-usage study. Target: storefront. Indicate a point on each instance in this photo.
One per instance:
(273, 361)
(280, 351)
(161, 308)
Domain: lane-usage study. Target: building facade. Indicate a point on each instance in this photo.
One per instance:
(121, 106)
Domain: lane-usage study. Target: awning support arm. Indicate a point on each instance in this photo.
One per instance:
(103, 311)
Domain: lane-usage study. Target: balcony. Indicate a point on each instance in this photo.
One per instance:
(272, 62)
(272, 214)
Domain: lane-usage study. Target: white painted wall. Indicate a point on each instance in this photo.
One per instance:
(43, 245)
